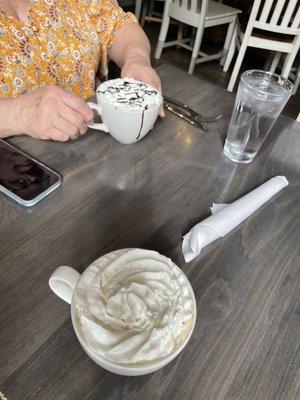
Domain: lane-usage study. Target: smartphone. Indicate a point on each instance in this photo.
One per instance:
(24, 179)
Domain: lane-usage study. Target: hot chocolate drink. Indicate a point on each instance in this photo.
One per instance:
(129, 94)
(128, 109)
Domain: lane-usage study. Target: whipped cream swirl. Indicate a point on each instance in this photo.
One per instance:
(129, 94)
(133, 307)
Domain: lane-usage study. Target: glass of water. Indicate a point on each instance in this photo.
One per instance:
(260, 99)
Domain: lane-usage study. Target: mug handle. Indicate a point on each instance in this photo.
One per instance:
(63, 281)
(98, 108)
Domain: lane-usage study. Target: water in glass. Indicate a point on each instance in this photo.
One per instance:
(260, 98)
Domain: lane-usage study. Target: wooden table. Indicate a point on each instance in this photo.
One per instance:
(246, 340)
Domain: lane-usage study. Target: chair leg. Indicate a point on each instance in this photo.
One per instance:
(162, 34)
(287, 66)
(268, 62)
(229, 35)
(275, 62)
(196, 49)
(180, 32)
(231, 51)
(297, 82)
(151, 8)
(145, 9)
(138, 8)
(193, 36)
(290, 58)
(237, 66)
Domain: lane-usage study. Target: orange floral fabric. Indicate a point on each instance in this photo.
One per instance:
(64, 42)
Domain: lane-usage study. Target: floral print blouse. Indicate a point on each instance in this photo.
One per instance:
(64, 42)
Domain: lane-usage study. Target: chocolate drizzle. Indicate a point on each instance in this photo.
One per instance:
(142, 123)
(129, 93)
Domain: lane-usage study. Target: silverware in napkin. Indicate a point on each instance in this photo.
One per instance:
(185, 116)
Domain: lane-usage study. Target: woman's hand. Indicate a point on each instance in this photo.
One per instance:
(51, 113)
(131, 52)
(140, 69)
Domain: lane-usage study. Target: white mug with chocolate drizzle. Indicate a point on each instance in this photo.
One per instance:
(128, 109)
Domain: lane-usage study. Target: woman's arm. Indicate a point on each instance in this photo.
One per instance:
(131, 52)
(7, 119)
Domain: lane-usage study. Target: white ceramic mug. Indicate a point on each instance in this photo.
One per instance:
(126, 126)
(63, 282)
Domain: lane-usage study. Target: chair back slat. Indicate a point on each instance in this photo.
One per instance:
(274, 15)
(195, 6)
(184, 4)
(288, 13)
(277, 12)
(296, 20)
(266, 10)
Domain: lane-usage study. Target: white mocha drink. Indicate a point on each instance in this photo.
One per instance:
(133, 308)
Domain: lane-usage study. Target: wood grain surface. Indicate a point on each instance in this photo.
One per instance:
(246, 341)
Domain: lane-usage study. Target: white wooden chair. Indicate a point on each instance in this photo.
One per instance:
(201, 15)
(279, 20)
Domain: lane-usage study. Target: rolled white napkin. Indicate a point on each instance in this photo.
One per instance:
(226, 217)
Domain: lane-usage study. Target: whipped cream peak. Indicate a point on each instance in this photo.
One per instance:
(133, 307)
(129, 94)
